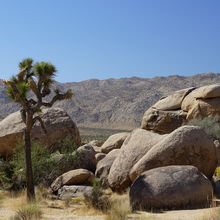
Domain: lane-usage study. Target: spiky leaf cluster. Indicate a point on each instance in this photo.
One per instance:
(36, 77)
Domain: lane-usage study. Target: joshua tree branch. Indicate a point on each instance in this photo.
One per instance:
(58, 97)
(38, 118)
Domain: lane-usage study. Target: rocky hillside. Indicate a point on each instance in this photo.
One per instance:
(115, 103)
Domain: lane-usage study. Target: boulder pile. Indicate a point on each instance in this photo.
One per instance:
(165, 163)
(176, 109)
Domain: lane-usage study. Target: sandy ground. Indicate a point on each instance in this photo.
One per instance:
(56, 209)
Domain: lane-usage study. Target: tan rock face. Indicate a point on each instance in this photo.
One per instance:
(172, 102)
(162, 122)
(58, 124)
(210, 91)
(115, 141)
(187, 145)
(171, 187)
(97, 143)
(204, 108)
(73, 177)
(104, 166)
(136, 145)
(99, 156)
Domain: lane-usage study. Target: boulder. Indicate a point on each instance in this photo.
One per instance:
(73, 177)
(68, 192)
(104, 165)
(173, 101)
(86, 154)
(57, 122)
(83, 157)
(217, 145)
(163, 122)
(216, 188)
(187, 145)
(97, 143)
(206, 92)
(96, 149)
(171, 187)
(202, 108)
(136, 145)
(99, 156)
(114, 142)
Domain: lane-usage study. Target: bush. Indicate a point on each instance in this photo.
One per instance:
(28, 212)
(12, 170)
(210, 125)
(96, 199)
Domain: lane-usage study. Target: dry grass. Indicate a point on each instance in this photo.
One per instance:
(30, 211)
(119, 207)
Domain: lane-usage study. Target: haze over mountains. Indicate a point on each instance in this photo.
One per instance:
(115, 103)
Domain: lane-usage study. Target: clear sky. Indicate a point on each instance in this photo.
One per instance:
(111, 38)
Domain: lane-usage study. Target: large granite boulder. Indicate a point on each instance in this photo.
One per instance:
(104, 166)
(115, 141)
(72, 177)
(187, 145)
(86, 154)
(57, 122)
(163, 122)
(136, 145)
(171, 187)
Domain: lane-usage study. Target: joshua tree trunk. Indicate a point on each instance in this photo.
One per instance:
(28, 163)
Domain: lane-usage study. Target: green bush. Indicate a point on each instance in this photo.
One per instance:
(12, 170)
(210, 125)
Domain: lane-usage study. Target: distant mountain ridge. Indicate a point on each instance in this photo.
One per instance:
(115, 103)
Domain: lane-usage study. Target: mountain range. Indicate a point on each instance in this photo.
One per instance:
(115, 103)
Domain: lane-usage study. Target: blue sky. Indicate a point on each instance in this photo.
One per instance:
(111, 38)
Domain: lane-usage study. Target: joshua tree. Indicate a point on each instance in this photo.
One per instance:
(38, 79)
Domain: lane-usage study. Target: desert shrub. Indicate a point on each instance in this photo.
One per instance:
(96, 199)
(28, 212)
(210, 125)
(67, 146)
(119, 207)
(12, 170)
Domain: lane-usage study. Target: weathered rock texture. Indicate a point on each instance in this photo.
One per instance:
(163, 122)
(171, 187)
(68, 192)
(136, 145)
(99, 156)
(187, 145)
(57, 122)
(97, 143)
(104, 166)
(115, 141)
(176, 109)
(73, 177)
